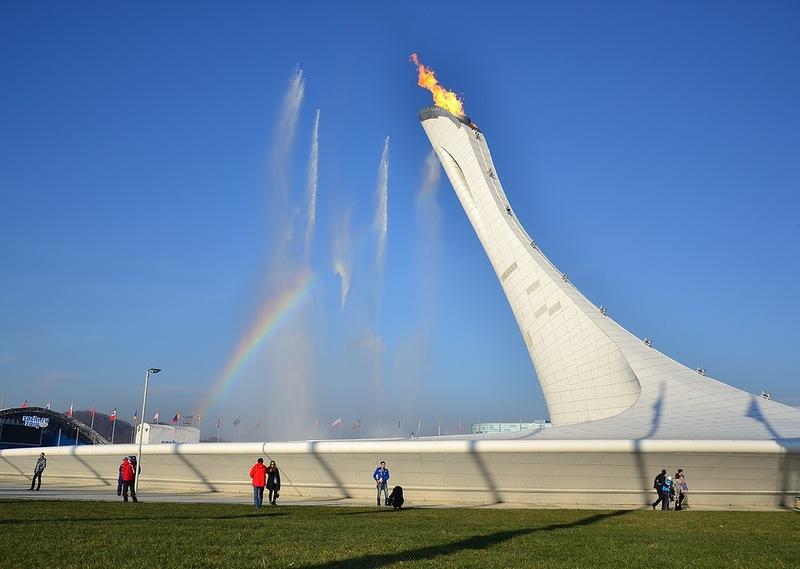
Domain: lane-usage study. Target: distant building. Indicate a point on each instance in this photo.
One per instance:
(167, 434)
(509, 427)
(25, 427)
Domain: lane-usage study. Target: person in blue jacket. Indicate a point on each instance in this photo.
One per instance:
(666, 493)
(381, 476)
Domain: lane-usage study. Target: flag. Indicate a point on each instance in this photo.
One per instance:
(113, 415)
(397, 426)
(49, 402)
(357, 425)
(69, 411)
(337, 423)
(177, 417)
(93, 411)
(236, 422)
(199, 416)
(25, 404)
(135, 415)
(156, 416)
(219, 420)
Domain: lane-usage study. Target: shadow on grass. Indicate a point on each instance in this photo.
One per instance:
(475, 542)
(374, 511)
(29, 521)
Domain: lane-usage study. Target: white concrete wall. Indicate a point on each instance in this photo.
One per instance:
(580, 473)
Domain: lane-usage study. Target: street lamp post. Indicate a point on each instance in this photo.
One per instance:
(152, 370)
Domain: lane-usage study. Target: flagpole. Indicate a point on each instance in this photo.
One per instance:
(113, 428)
(218, 427)
(92, 425)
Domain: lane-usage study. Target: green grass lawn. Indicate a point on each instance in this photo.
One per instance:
(163, 536)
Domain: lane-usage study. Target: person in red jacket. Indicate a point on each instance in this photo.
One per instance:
(259, 475)
(128, 478)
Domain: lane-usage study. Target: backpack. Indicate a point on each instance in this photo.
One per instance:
(396, 499)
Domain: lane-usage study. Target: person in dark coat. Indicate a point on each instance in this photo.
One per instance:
(41, 464)
(273, 482)
(658, 483)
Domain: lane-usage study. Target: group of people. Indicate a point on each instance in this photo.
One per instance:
(671, 488)
(268, 477)
(668, 488)
(126, 481)
(381, 478)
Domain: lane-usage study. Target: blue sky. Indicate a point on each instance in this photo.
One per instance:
(651, 149)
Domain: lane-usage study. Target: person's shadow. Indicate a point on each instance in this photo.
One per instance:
(475, 542)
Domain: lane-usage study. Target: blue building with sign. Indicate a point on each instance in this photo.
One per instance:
(25, 427)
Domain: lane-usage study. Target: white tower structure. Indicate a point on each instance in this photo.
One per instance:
(590, 368)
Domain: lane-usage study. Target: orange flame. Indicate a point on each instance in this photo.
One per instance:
(448, 100)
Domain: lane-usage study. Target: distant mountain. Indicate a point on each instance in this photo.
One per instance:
(123, 433)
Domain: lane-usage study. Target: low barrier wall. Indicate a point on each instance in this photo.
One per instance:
(552, 473)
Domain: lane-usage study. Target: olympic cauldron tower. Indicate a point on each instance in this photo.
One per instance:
(598, 379)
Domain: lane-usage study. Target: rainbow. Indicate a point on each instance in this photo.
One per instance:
(272, 314)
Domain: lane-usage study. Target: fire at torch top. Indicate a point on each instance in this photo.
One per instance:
(443, 98)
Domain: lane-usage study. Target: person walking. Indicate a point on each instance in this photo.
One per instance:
(128, 480)
(273, 483)
(259, 475)
(666, 493)
(681, 490)
(657, 484)
(41, 464)
(381, 477)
